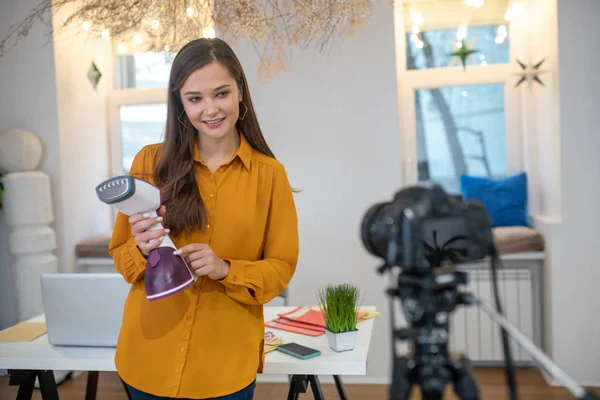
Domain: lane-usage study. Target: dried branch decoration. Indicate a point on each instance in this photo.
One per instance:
(274, 26)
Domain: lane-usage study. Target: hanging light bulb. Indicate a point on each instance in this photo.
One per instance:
(208, 33)
(517, 7)
(86, 26)
(105, 34)
(474, 3)
(501, 34)
(461, 32)
(138, 39)
(416, 17)
(167, 48)
(190, 12)
(122, 48)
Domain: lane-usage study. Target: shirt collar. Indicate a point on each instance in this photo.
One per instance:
(244, 152)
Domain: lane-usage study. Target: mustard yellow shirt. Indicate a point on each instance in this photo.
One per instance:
(207, 341)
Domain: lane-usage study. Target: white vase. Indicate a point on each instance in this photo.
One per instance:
(342, 341)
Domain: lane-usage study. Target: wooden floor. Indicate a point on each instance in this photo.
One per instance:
(491, 380)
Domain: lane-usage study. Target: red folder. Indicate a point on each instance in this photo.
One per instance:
(306, 315)
(278, 325)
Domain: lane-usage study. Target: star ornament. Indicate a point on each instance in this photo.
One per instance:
(530, 72)
(463, 52)
(94, 75)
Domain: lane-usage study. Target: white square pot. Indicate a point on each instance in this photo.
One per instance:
(343, 341)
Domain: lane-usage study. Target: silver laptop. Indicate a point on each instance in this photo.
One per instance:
(83, 309)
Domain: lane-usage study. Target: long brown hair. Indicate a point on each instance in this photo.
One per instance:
(174, 171)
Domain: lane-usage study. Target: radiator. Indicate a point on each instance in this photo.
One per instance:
(519, 284)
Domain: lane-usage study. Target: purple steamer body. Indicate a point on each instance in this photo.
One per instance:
(166, 274)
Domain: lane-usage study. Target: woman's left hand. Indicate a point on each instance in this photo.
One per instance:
(203, 261)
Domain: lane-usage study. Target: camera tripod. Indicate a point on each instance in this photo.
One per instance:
(427, 303)
(433, 377)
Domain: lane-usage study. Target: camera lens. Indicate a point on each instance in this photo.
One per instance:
(374, 229)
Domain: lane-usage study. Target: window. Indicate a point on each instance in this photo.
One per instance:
(137, 105)
(140, 124)
(460, 129)
(430, 49)
(136, 117)
(143, 70)
(457, 120)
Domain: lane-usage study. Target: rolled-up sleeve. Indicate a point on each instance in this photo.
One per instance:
(258, 282)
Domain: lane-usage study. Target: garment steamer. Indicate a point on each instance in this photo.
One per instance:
(166, 273)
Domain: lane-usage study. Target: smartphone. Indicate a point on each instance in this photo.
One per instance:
(298, 351)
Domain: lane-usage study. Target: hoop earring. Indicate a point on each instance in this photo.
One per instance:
(245, 111)
(181, 122)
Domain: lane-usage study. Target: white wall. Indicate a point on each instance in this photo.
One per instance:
(28, 101)
(82, 119)
(542, 134)
(565, 120)
(575, 272)
(334, 124)
(48, 92)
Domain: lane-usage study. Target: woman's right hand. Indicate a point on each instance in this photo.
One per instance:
(146, 238)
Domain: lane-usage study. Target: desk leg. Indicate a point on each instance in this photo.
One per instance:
(92, 385)
(299, 384)
(316, 387)
(48, 385)
(25, 380)
(340, 387)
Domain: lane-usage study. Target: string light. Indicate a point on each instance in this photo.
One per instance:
(274, 27)
(208, 33)
(474, 3)
(416, 17)
(501, 34)
(122, 48)
(138, 39)
(461, 32)
(517, 7)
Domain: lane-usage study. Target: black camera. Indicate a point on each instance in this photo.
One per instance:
(424, 227)
(421, 230)
(427, 233)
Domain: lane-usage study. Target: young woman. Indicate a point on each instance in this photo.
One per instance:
(229, 208)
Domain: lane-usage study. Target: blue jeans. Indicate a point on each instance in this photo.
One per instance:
(246, 393)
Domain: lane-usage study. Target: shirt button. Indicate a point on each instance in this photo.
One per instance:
(211, 195)
(221, 169)
(188, 317)
(234, 278)
(207, 226)
(182, 349)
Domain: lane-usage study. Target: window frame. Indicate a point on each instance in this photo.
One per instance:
(411, 80)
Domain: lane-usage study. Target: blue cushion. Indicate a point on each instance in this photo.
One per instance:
(504, 199)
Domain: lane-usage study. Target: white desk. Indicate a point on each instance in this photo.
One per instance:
(31, 358)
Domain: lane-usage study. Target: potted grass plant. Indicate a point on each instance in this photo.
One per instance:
(339, 305)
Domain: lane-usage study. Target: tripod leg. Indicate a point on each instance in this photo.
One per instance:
(465, 386)
(402, 379)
